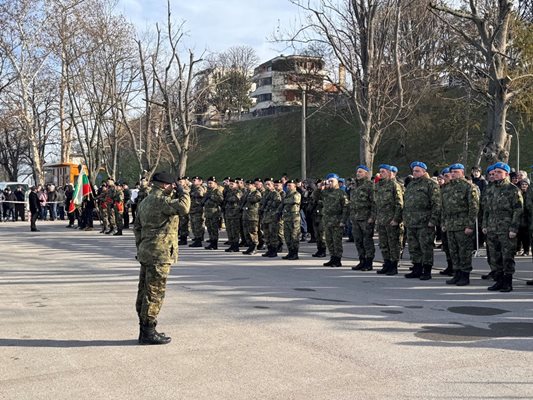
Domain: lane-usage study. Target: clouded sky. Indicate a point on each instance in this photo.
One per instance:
(216, 25)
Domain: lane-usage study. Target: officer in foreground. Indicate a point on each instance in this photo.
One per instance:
(156, 234)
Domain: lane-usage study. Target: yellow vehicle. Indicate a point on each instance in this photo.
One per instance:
(61, 174)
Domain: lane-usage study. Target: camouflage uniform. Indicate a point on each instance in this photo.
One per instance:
(196, 213)
(502, 211)
(250, 217)
(272, 202)
(361, 211)
(281, 234)
(485, 196)
(110, 208)
(118, 208)
(183, 229)
(421, 214)
(155, 231)
(460, 204)
(102, 209)
(233, 217)
(144, 191)
(213, 213)
(318, 222)
(260, 233)
(335, 212)
(290, 211)
(388, 205)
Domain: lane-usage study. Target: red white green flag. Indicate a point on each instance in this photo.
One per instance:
(81, 189)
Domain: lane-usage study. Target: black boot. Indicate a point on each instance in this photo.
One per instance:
(273, 252)
(416, 272)
(455, 279)
(118, 233)
(250, 250)
(182, 241)
(393, 270)
(268, 252)
(196, 243)
(214, 245)
(336, 262)
(287, 256)
(385, 268)
(448, 270)
(369, 264)
(232, 248)
(293, 255)
(464, 279)
(498, 283)
(330, 262)
(320, 253)
(426, 272)
(507, 283)
(490, 275)
(260, 245)
(149, 335)
(210, 246)
(359, 266)
(280, 248)
(110, 231)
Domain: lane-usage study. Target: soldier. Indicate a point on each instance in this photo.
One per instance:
(335, 213)
(156, 228)
(212, 202)
(318, 222)
(250, 217)
(144, 190)
(233, 215)
(501, 221)
(241, 186)
(290, 213)
(278, 186)
(102, 207)
(528, 209)
(109, 201)
(483, 201)
(258, 182)
(460, 204)
(196, 213)
(388, 206)
(362, 218)
(118, 208)
(421, 214)
(183, 230)
(271, 204)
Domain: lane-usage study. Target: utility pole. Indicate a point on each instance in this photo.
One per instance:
(304, 135)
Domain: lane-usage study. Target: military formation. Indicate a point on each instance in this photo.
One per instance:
(265, 214)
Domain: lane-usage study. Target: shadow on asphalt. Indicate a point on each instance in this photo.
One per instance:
(65, 343)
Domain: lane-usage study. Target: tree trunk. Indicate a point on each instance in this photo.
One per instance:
(497, 146)
(182, 163)
(366, 151)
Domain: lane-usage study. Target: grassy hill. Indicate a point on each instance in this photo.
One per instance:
(434, 133)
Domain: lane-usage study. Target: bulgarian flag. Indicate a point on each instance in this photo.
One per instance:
(81, 190)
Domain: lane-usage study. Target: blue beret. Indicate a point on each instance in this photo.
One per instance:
(457, 166)
(502, 165)
(368, 169)
(384, 166)
(332, 175)
(342, 180)
(419, 164)
(445, 171)
(393, 169)
(490, 168)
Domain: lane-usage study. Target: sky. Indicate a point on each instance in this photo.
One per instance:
(216, 25)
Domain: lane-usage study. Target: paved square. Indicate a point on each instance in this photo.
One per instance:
(247, 328)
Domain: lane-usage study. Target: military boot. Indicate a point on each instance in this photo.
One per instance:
(118, 233)
(393, 270)
(250, 250)
(330, 262)
(490, 275)
(293, 255)
(448, 270)
(455, 279)
(464, 279)
(182, 240)
(280, 248)
(321, 252)
(231, 249)
(359, 266)
(369, 264)
(210, 246)
(384, 269)
(498, 282)
(268, 252)
(196, 243)
(110, 231)
(214, 245)
(336, 262)
(416, 272)
(507, 283)
(426, 272)
(261, 245)
(273, 252)
(286, 257)
(150, 336)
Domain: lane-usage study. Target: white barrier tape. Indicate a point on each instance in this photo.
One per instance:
(25, 202)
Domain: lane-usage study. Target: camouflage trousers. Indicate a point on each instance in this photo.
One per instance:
(390, 241)
(197, 225)
(260, 233)
(281, 234)
(183, 229)
(250, 228)
(233, 228)
(446, 247)
(421, 240)
(104, 217)
(291, 232)
(111, 216)
(151, 291)
(461, 247)
(363, 235)
(333, 232)
(119, 220)
(271, 233)
(502, 252)
(318, 225)
(213, 227)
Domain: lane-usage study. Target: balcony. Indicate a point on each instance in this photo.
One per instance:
(261, 90)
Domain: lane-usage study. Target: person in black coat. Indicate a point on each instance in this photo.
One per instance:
(35, 208)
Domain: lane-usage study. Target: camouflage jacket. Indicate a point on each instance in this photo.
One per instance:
(503, 208)
(362, 200)
(388, 201)
(250, 205)
(460, 205)
(232, 208)
(272, 202)
(197, 198)
(156, 226)
(316, 203)
(335, 206)
(144, 191)
(290, 206)
(422, 203)
(213, 202)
